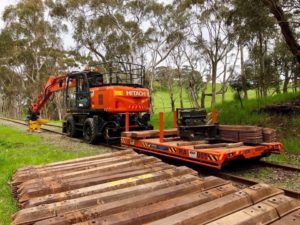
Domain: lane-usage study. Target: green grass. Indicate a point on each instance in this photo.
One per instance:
(162, 103)
(168, 120)
(19, 149)
(285, 158)
(232, 112)
(291, 144)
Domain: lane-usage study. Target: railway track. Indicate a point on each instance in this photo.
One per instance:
(226, 175)
(46, 127)
(49, 128)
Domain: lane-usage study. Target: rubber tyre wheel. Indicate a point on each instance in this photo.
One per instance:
(89, 132)
(71, 129)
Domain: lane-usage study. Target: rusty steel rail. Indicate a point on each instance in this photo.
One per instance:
(25, 124)
(129, 188)
(279, 166)
(60, 133)
(53, 125)
(248, 182)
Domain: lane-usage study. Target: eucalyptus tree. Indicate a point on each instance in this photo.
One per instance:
(287, 14)
(256, 30)
(276, 7)
(110, 30)
(196, 74)
(34, 40)
(167, 28)
(286, 65)
(213, 37)
(178, 59)
(166, 77)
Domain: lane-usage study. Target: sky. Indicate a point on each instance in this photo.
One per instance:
(67, 39)
(3, 4)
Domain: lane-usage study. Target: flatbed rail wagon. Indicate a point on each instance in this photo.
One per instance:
(219, 145)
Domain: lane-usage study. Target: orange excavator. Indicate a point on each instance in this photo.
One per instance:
(99, 101)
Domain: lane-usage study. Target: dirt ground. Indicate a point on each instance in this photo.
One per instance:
(68, 144)
(273, 176)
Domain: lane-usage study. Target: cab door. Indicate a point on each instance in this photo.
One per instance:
(82, 92)
(77, 92)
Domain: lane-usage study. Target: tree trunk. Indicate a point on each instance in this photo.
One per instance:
(286, 79)
(294, 74)
(151, 89)
(285, 85)
(224, 80)
(172, 102)
(203, 95)
(171, 93)
(181, 97)
(278, 91)
(243, 75)
(58, 99)
(286, 30)
(262, 66)
(295, 82)
(213, 84)
(180, 90)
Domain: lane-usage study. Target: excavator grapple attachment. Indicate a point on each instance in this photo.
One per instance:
(35, 125)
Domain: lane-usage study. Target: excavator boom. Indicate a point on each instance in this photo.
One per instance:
(53, 84)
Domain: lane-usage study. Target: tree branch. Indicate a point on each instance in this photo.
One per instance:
(286, 30)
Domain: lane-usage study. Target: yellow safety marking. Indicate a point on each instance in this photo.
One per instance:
(213, 158)
(130, 180)
(171, 149)
(118, 93)
(145, 145)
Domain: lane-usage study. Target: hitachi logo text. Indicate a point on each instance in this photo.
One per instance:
(136, 93)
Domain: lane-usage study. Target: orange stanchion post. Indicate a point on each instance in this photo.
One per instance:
(214, 117)
(127, 121)
(161, 127)
(175, 119)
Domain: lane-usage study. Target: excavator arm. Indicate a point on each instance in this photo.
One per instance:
(53, 84)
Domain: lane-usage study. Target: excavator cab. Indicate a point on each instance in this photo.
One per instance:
(78, 95)
(77, 91)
